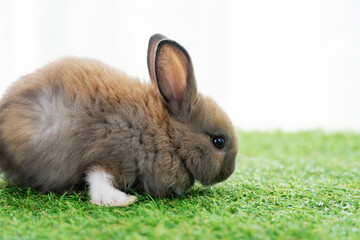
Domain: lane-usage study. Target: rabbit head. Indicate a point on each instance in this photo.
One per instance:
(201, 131)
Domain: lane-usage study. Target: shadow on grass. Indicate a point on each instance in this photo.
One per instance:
(16, 198)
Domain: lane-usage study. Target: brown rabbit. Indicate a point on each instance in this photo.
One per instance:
(79, 122)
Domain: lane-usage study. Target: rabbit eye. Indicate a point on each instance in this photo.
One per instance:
(219, 142)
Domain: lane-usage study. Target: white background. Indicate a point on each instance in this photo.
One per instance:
(291, 65)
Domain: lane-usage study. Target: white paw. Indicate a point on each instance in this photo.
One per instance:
(102, 191)
(113, 199)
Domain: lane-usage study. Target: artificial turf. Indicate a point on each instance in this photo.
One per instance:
(303, 185)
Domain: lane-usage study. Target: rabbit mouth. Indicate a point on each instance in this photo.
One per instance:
(225, 172)
(224, 175)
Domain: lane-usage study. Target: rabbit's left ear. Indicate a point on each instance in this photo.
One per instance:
(153, 45)
(171, 70)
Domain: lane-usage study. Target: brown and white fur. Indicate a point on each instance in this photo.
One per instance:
(78, 122)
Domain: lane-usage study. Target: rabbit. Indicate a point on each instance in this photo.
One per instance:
(79, 124)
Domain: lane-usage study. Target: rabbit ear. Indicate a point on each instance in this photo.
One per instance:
(153, 44)
(174, 75)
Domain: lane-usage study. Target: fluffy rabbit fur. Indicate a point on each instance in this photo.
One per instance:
(78, 122)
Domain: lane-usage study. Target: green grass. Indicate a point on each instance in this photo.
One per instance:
(286, 186)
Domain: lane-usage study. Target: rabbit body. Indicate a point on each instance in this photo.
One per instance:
(77, 113)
